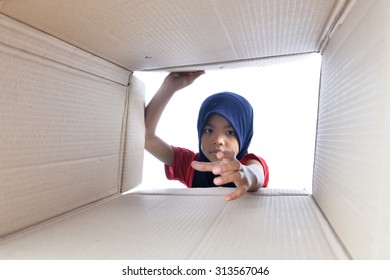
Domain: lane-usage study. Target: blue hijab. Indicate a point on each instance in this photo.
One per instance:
(239, 113)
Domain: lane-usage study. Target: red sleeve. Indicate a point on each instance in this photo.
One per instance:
(249, 157)
(181, 169)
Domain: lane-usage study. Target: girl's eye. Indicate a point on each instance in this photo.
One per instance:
(208, 130)
(230, 133)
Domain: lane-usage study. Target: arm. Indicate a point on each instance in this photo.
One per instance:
(153, 111)
(247, 178)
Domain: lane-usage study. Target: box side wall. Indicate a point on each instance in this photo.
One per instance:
(61, 112)
(134, 136)
(351, 173)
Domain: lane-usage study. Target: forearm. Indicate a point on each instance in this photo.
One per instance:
(153, 111)
(155, 108)
(153, 144)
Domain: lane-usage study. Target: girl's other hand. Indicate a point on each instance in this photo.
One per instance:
(179, 80)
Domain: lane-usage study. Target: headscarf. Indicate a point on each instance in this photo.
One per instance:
(239, 113)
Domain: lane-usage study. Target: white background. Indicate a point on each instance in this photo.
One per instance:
(285, 101)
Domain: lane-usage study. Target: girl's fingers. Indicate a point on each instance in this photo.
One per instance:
(236, 194)
(233, 177)
(204, 166)
(226, 166)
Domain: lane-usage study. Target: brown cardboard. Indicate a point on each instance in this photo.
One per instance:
(133, 136)
(186, 226)
(351, 172)
(146, 35)
(71, 129)
(60, 127)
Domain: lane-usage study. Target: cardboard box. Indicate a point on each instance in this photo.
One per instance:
(72, 131)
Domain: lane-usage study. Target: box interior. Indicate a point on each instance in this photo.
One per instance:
(72, 125)
(186, 224)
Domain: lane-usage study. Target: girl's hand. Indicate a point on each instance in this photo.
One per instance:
(230, 170)
(178, 80)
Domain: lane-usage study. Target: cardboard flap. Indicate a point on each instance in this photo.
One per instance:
(220, 191)
(185, 227)
(133, 136)
(60, 127)
(146, 35)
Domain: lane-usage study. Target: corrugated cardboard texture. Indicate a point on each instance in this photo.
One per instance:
(141, 35)
(217, 191)
(186, 227)
(60, 127)
(134, 136)
(351, 177)
(17, 35)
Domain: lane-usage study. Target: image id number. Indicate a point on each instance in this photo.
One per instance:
(248, 270)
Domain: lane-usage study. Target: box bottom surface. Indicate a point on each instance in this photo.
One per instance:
(185, 224)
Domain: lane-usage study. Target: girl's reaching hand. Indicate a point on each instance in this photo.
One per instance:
(230, 170)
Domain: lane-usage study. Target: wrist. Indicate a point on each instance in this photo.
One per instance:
(250, 173)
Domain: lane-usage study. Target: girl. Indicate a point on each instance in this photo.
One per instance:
(225, 129)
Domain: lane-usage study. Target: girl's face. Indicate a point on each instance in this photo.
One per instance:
(218, 135)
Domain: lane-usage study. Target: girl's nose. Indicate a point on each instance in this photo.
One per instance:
(219, 140)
